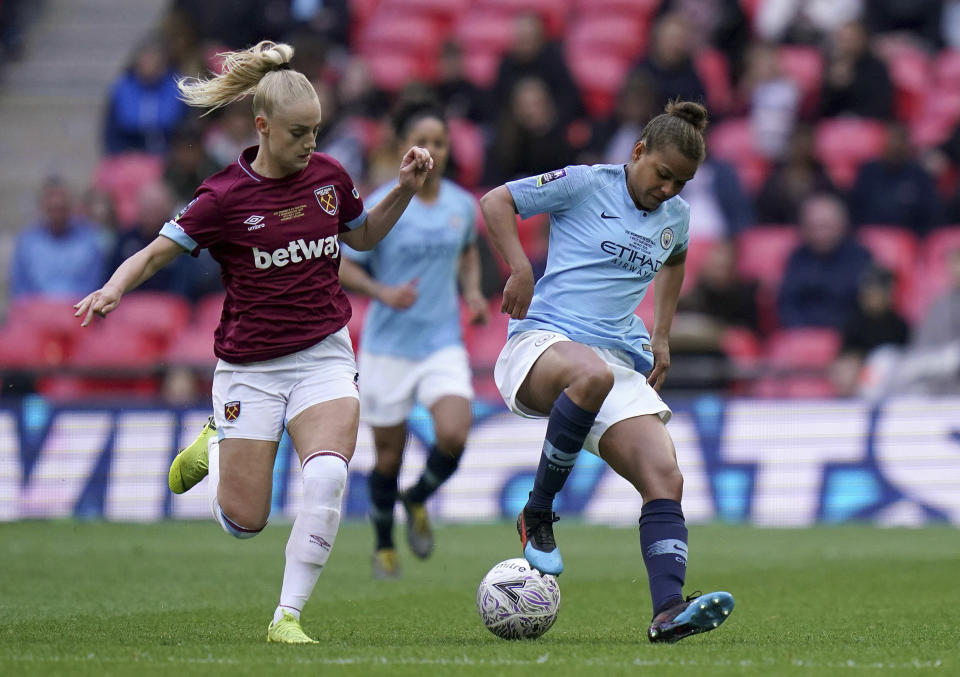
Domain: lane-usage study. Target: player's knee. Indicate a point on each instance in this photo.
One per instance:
(596, 379)
(668, 483)
(451, 440)
(241, 524)
(388, 463)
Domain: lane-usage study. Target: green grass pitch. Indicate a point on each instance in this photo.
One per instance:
(185, 599)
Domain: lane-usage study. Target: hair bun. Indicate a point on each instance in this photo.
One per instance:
(690, 111)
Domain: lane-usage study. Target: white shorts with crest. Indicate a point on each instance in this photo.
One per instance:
(631, 394)
(256, 400)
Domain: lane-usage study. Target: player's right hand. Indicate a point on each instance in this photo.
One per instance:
(517, 294)
(100, 303)
(400, 297)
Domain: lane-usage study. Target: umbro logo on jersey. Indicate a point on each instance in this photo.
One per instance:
(604, 215)
(255, 222)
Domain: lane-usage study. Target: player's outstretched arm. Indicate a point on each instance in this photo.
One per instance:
(133, 272)
(414, 167)
(356, 279)
(666, 292)
(499, 212)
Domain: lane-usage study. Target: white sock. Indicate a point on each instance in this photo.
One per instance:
(314, 531)
(213, 475)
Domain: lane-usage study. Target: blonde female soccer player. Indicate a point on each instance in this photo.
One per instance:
(274, 220)
(411, 349)
(577, 355)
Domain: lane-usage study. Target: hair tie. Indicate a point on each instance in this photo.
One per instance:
(282, 67)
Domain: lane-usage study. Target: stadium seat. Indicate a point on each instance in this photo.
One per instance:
(371, 132)
(206, 315)
(621, 35)
(934, 275)
(946, 69)
(122, 176)
(155, 316)
(599, 78)
(895, 249)
(467, 151)
(481, 68)
(732, 140)
(23, 348)
(487, 31)
(111, 346)
(192, 347)
(697, 254)
(534, 233)
(640, 9)
(763, 251)
(713, 69)
(403, 33)
(803, 65)
(485, 342)
(910, 71)
(442, 11)
(741, 346)
(392, 71)
(807, 348)
(359, 305)
(843, 144)
(553, 12)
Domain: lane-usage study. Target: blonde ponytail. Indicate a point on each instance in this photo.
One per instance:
(262, 70)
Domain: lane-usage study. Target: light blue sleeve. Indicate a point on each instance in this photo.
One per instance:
(553, 191)
(683, 234)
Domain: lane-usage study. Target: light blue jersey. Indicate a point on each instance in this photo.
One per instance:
(602, 256)
(425, 244)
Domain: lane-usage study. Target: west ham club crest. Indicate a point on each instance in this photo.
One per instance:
(327, 198)
(231, 410)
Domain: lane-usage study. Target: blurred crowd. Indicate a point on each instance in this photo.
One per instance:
(824, 255)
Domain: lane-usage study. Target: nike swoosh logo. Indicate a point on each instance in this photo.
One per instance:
(604, 215)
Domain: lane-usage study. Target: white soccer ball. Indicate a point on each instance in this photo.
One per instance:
(515, 601)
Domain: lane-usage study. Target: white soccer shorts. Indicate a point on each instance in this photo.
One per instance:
(255, 401)
(390, 386)
(631, 394)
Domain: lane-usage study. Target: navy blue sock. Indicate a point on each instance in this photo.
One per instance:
(383, 494)
(567, 428)
(663, 537)
(437, 471)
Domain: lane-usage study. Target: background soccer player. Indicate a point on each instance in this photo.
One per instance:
(577, 354)
(273, 220)
(411, 349)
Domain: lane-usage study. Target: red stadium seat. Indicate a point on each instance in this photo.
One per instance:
(481, 68)
(910, 71)
(763, 251)
(804, 348)
(403, 33)
(486, 31)
(112, 346)
(621, 35)
(392, 70)
(697, 254)
(122, 176)
(946, 69)
(714, 71)
(741, 345)
(843, 144)
(803, 65)
(485, 342)
(467, 151)
(553, 12)
(443, 11)
(599, 78)
(895, 249)
(207, 313)
(155, 316)
(359, 305)
(732, 140)
(192, 347)
(640, 9)
(934, 276)
(23, 348)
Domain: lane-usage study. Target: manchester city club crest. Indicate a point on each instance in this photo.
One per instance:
(666, 238)
(231, 410)
(327, 198)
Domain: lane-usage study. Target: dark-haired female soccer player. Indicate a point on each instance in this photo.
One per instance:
(411, 349)
(274, 220)
(577, 354)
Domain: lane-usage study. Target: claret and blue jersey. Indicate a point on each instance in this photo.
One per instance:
(603, 254)
(425, 245)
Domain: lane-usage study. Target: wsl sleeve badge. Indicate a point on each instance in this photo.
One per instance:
(327, 199)
(544, 179)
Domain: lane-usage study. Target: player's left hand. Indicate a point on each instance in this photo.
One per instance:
(414, 167)
(661, 362)
(478, 311)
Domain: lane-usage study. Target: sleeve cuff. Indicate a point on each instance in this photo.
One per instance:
(355, 223)
(176, 233)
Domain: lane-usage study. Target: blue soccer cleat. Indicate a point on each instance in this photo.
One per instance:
(536, 536)
(698, 613)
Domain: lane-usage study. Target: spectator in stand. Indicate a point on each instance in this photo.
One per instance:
(719, 300)
(60, 254)
(804, 22)
(950, 24)
(722, 21)
(326, 21)
(793, 180)
(187, 164)
(179, 37)
(462, 98)
(872, 324)
(718, 204)
(669, 63)
(530, 139)
(895, 189)
(236, 23)
(230, 134)
(155, 203)
(819, 287)
(613, 139)
(98, 208)
(532, 56)
(357, 93)
(920, 18)
(855, 81)
(771, 99)
(337, 136)
(144, 110)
